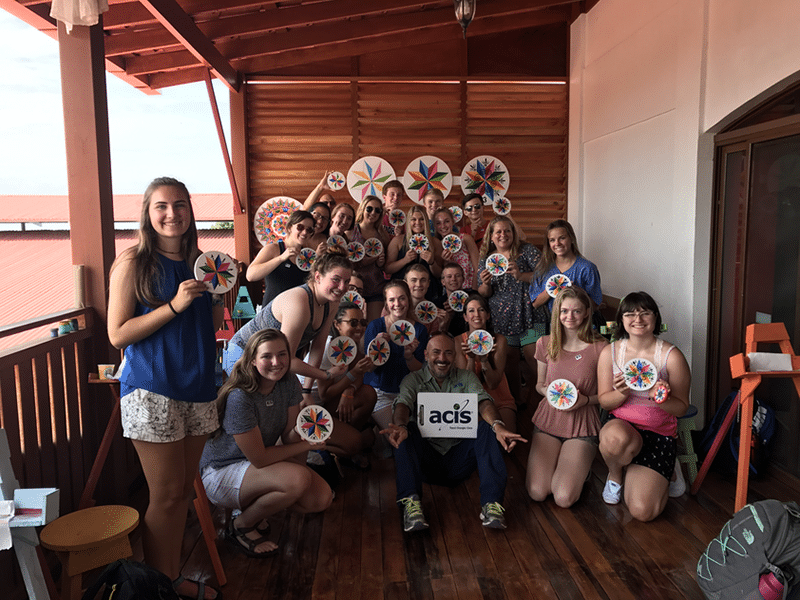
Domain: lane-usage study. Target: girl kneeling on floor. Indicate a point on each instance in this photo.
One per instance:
(242, 467)
(564, 442)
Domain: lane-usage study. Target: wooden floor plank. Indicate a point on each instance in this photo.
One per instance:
(357, 548)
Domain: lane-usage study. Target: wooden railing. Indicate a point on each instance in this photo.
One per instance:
(54, 419)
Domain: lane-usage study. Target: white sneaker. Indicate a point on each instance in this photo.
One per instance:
(612, 492)
(677, 488)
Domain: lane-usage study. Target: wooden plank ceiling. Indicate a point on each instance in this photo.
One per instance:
(159, 43)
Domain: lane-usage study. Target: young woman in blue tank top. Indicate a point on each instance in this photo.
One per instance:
(165, 319)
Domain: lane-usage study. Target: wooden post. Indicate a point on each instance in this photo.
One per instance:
(91, 210)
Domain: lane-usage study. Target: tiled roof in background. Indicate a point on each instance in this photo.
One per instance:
(38, 274)
(127, 207)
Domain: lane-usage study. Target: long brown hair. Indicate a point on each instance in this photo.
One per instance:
(147, 267)
(585, 332)
(244, 374)
(548, 258)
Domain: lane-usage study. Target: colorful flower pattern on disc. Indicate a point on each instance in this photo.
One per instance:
(419, 243)
(458, 300)
(355, 298)
(355, 251)
(373, 247)
(217, 270)
(555, 283)
(266, 214)
(487, 176)
(426, 312)
(337, 240)
(397, 218)
(496, 264)
(427, 173)
(279, 224)
(305, 259)
(661, 394)
(480, 342)
(378, 351)
(452, 243)
(314, 424)
(367, 176)
(402, 332)
(336, 181)
(457, 213)
(562, 394)
(640, 374)
(341, 350)
(501, 205)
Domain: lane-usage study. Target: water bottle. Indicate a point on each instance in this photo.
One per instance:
(770, 586)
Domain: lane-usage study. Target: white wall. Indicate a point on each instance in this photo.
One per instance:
(650, 83)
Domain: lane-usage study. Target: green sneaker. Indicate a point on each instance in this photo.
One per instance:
(413, 519)
(492, 515)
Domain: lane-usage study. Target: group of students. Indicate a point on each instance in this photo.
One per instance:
(255, 462)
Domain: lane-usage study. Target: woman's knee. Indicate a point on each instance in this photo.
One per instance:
(565, 496)
(644, 508)
(537, 490)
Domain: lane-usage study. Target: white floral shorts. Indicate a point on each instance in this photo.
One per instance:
(151, 417)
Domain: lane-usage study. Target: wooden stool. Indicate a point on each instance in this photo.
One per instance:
(87, 539)
(685, 426)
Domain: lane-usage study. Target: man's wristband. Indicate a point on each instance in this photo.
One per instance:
(350, 376)
(306, 390)
(496, 421)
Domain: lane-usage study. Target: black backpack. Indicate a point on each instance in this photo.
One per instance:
(727, 458)
(126, 580)
(761, 539)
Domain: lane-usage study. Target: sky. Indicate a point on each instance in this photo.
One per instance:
(151, 136)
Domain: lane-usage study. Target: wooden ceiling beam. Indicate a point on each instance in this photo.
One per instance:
(179, 24)
(382, 43)
(304, 16)
(127, 15)
(358, 39)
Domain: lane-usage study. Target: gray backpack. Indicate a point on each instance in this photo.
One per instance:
(755, 556)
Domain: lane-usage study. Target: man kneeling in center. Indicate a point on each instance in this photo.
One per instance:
(447, 461)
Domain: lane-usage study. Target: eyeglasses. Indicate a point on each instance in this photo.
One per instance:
(320, 216)
(473, 207)
(353, 288)
(371, 209)
(355, 322)
(645, 314)
(301, 228)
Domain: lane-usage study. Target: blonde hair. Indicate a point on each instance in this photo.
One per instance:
(585, 332)
(416, 209)
(488, 246)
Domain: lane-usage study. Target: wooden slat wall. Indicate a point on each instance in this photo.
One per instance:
(298, 130)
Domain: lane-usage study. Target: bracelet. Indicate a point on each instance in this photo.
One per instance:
(172, 308)
(351, 377)
(327, 375)
(404, 426)
(496, 421)
(306, 390)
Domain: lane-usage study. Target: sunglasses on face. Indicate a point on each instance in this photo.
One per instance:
(371, 209)
(473, 207)
(301, 228)
(355, 322)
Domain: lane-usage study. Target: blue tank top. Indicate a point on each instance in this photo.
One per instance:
(177, 360)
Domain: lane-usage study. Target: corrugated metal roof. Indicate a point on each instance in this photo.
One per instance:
(127, 207)
(38, 273)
